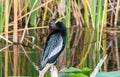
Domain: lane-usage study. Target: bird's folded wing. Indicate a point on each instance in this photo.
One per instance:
(52, 47)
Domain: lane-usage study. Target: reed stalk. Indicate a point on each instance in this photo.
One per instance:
(6, 35)
(85, 54)
(15, 38)
(116, 39)
(44, 18)
(33, 16)
(68, 15)
(87, 23)
(2, 23)
(2, 16)
(86, 14)
(105, 35)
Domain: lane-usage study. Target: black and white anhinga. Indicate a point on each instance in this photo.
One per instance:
(55, 43)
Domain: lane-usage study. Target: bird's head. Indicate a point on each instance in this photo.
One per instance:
(52, 24)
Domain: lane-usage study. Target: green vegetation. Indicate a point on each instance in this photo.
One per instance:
(73, 72)
(93, 31)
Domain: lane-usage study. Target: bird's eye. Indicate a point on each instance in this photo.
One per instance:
(52, 25)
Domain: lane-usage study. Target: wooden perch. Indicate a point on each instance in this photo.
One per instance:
(42, 73)
(53, 70)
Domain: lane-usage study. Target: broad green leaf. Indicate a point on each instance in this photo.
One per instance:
(72, 75)
(70, 70)
(47, 75)
(2, 16)
(33, 16)
(77, 75)
(86, 69)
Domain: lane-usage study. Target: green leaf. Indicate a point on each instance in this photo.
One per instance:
(70, 70)
(33, 16)
(2, 16)
(47, 75)
(72, 75)
(86, 69)
(77, 75)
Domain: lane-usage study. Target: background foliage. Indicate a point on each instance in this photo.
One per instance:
(92, 32)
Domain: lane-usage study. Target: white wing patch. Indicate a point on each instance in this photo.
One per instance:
(57, 49)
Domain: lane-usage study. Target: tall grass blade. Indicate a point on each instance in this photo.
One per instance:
(104, 19)
(116, 39)
(86, 15)
(33, 16)
(15, 38)
(6, 35)
(2, 16)
(68, 15)
(85, 54)
(94, 5)
(98, 23)
(87, 3)
(1, 64)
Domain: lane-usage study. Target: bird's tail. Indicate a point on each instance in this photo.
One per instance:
(41, 68)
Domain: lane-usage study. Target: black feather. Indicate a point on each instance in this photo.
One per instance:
(54, 45)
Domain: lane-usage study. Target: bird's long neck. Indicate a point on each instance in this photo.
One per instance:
(62, 28)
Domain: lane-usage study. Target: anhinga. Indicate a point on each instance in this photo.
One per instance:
(55, 43)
